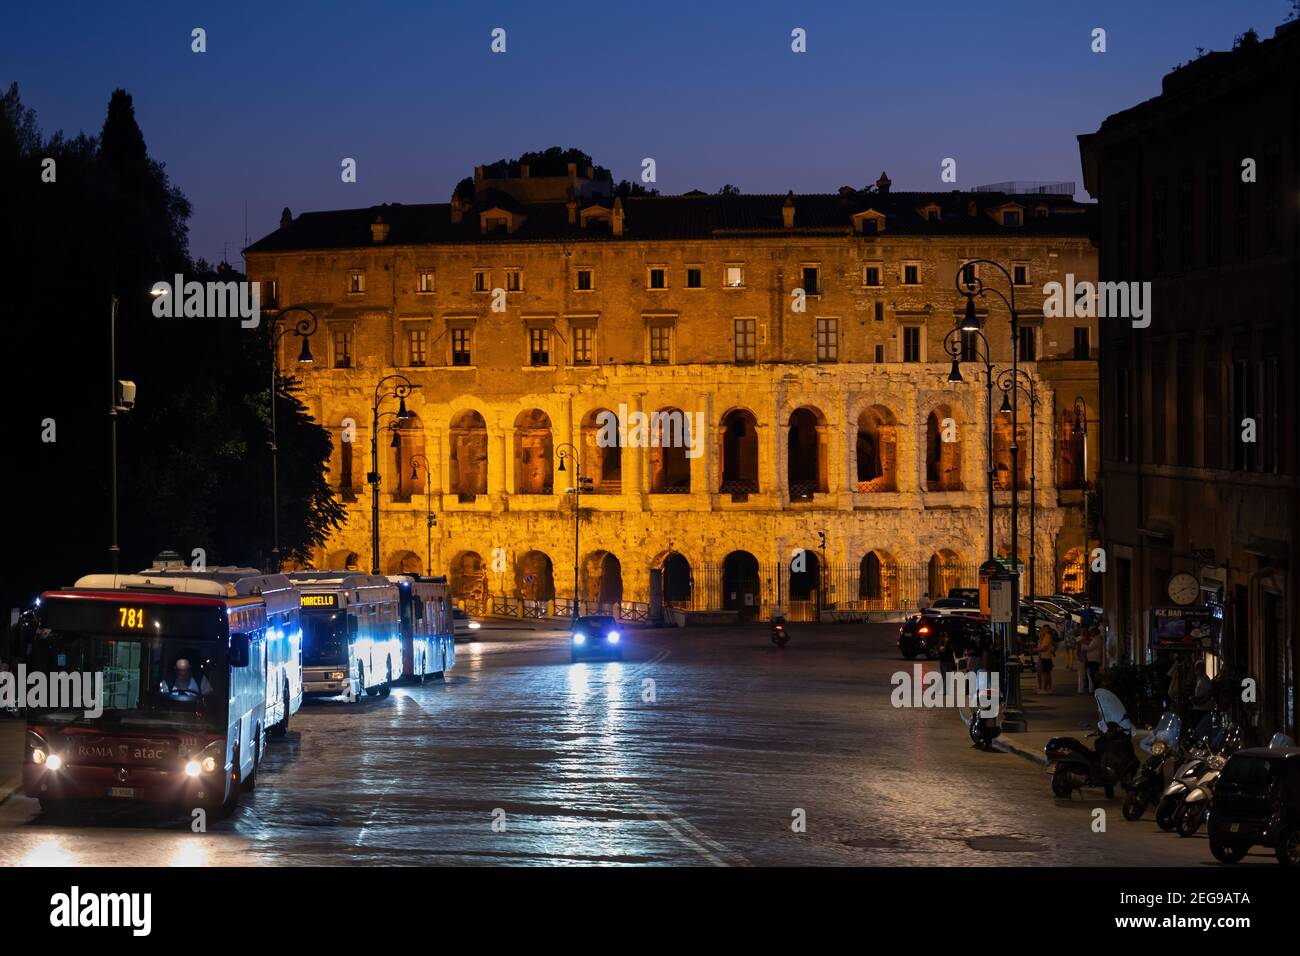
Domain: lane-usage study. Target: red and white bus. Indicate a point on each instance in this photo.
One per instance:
(352, 642)
(428, 640)
(183, 717)
(284, 692)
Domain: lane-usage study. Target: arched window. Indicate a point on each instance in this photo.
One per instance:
(877, 450)
(739, 453)
(806, 454)
(670, 440)
(602, 455)
(534, 471)
(943, 441)
(468, 455)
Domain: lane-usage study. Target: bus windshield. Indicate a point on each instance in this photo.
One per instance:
(324, 637)
(153, 681)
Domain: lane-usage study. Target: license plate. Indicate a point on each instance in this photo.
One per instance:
(122, 792)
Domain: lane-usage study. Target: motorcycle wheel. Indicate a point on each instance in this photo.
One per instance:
(1134, 806)
(1189, 821)
(1228, 852)
(1061, 786)
(1165, 812)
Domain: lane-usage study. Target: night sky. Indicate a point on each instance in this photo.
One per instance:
(711, 91)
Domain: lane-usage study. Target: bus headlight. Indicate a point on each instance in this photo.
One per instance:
(209, 764)
(192, 769)
(53, 762)
(38, 756)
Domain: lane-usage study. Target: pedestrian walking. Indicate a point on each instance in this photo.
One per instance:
(924, 603)
(1046, 656)
(1070, 641)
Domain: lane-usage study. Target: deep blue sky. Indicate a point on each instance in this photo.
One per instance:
(710, 90)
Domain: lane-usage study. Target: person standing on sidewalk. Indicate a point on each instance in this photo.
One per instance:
(924, 603)
(1046, 654)
(1089, 660)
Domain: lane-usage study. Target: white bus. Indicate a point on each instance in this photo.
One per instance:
(352, 641)
(428, 643)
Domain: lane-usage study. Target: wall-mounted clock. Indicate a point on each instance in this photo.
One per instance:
(1183, 589)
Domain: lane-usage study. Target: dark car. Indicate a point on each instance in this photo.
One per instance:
(595, 637)
(920, 634)
(970, 595)
(1257, 803)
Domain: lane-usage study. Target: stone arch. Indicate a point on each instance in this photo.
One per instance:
(468, 455)
(805, 584)
(343, 560)
(1002, 454)
(1070, 451)
(741, 584)
(405, 562)
(943, 458)
(877, 450)
(806, 453)
(602, 578)
(1073, 576)
(535, 576)
(878, 580)
(943, 572)
(677, 580)
(670, 468)
(602, 452)
(534, 468)
(407, 478)
(467, 577)
(738, 460)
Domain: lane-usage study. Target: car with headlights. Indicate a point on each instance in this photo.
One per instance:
(462, 624)
(595, 637)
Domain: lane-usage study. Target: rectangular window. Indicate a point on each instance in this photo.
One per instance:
(911, 343)
(1242, 408)
(880, 354)
(1123, 412)
(661, 344)
(1159, 226)
(1185, 212)
(1273, 194)
(1241, 228)
(1011, 217)
(1028, 344)
(1159, 402)
(270, 293)
(746, 340)
(695, 278)
(424, 281)
(1270, 417)
(514, 280)
(811, 277)
(734, 277)
(1185, 437)
(968, 274)
(460, 348)
(584, 345)
(871, 276)
(828, 340)
(1082, 345)
(880, 311)
(539, 346)
(356, 283)
(657, 278)
(911, 274)
(969, 346)
(482, 279)
(1213, 214)
(586, 281)
(1212, 395)
(417, 345)
(342, 348)
(1020, 275)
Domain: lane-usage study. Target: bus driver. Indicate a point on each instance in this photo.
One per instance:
(183, 683)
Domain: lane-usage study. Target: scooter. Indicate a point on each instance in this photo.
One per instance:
(779, 635)
(1074, 765)
(1201, 763)
(1165, 747)
(1196, 804)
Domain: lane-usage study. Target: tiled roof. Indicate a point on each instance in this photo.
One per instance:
(684, 217)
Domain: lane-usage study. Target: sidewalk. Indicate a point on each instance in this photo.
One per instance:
(12, 732)
(1063, 713)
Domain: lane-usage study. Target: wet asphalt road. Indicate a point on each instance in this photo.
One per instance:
(700, 748)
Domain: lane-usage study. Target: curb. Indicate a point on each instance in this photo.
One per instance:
(1006, 746)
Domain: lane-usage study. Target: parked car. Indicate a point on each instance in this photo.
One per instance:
(1256, 802)
(970, 595)
(919, 635)
(1073, 602)
(949, 605)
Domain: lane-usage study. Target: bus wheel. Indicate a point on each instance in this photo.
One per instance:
(362, 690)
(250, 784)
(388, 681)
(231, 800)
(282, 728)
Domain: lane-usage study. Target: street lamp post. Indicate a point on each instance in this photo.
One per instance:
(303, 328)
(114, 406)
(953, 344)
(1081, 429)
(1022, 380)
(578, 480)
(430, 519)
(971, 286)
(400, 388)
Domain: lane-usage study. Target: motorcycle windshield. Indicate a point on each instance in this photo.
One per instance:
(1111, 710)
(1279, 741)
(1168, 730)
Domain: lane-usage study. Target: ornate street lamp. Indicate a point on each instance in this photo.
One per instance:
(566, 451)
(955, 345)
(430, 519)
(1022, 381)
(304, 328)
(1081, 430)
(400, 388)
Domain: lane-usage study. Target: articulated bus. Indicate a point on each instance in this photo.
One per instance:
(284, 693)
(183, 718)
(428, 641)
(352, 641)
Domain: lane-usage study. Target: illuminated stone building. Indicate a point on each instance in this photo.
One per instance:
(532, 303)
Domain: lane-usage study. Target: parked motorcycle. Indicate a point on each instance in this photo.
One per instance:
(1075, 765)
(1165, 747)
(1198, 775)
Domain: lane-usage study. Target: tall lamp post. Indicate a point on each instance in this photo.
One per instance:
(390, 386)
(1009, 383)
(121, 399)
(430, 519)
(955, 346)
(1081, 430)
(566, 451)
(972, 286)
(303, 328)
